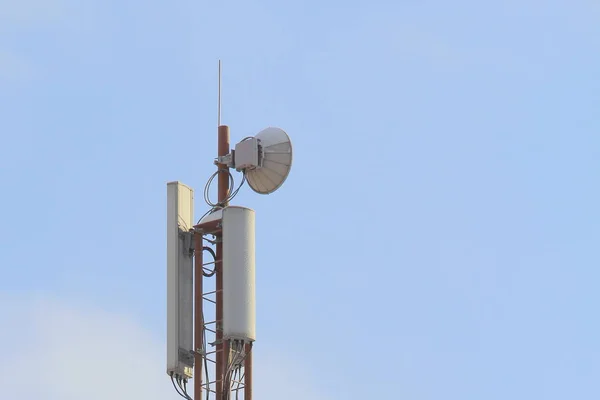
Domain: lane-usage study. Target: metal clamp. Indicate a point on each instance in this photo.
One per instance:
(227, 160)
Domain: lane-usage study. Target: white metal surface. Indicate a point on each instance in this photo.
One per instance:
(275, 162)
(246, 154)
(213, 216)
(239, 303)
(180, 302)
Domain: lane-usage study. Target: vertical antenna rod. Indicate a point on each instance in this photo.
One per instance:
(219, 106)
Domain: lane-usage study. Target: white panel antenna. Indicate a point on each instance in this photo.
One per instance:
(239, 303)
(180, 216)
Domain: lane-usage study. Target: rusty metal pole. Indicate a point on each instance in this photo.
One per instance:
(222, 355)
(248, 373)
(198, 323)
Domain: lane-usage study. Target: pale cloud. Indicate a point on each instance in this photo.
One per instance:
(63, 350)
(59, 350)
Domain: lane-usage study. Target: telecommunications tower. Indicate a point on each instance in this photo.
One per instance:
(211, 313)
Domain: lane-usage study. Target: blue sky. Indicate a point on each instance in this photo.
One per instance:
(437, 236)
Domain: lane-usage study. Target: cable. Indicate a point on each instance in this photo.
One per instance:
(175, 387)
(209, 182)
(177, 390)
(208, 213)
(214, 256)
(235, 373)
(185, 396)
(235, 192)
(185, 389)
(237, 382)
(233, 367)
(229, 366)
(237, 389)
(231, 195)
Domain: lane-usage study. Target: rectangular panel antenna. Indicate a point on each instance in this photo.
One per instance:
(180, 301)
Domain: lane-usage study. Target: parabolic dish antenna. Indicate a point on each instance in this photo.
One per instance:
(275, 153)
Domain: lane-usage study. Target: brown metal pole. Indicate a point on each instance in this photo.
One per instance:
(198, 325)
(248, 373)
(223, 150)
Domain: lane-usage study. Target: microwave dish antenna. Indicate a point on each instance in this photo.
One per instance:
(265, 159)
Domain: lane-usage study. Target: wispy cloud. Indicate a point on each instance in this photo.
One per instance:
(58, 350)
